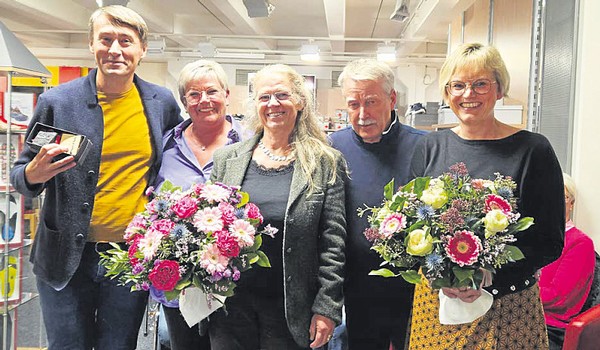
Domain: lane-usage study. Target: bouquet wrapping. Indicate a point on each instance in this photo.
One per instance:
(450, 231)
(203, 238)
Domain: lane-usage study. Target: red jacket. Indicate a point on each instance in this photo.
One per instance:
(565, 283)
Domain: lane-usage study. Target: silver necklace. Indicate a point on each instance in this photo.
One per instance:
(272, 156)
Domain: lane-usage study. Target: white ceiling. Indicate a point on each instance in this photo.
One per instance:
(343, 29)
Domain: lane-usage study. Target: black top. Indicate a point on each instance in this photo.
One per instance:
(372, 166)
(269, 190)
(530, 160)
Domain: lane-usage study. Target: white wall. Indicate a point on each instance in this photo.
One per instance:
(586, 144)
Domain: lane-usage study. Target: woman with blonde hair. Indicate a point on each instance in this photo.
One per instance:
(472, 79)
(297, 180)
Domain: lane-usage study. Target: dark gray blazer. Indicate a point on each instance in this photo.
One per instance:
(313, 238)
(69, 200)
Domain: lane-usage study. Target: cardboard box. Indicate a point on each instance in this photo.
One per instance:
(42, 134)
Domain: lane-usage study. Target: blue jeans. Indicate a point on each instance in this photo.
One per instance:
(92, 310)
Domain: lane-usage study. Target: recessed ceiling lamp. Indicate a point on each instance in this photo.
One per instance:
(386, 53)
(309, 52)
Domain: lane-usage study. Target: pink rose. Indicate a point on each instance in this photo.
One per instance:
(496, 202)
(164, 226)
(165, 275)
(253, 213)
(227, 244)
(185, 207)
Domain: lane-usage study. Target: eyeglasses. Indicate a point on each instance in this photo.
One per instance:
(479, 86)
(279, 96)
(194, 97)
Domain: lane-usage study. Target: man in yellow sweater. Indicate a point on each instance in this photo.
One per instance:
(90, 203)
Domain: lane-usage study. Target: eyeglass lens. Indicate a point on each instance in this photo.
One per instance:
(480, 87)
(194, 97)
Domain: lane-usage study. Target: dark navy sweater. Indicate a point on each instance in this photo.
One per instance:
(372, 166)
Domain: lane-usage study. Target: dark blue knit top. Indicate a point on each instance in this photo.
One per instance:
(372, 166)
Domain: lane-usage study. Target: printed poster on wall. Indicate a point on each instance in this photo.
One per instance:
(21, 111)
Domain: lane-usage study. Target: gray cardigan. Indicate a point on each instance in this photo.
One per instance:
(313, 238)
(69, 200)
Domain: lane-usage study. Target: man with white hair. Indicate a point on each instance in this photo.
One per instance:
(378, 148)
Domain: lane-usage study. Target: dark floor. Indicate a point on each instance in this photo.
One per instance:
(27, 318)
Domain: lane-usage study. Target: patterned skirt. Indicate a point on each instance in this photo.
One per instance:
(515, 321)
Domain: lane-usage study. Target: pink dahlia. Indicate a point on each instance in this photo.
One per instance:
(214, 193)
(496, 202)
(243, 232)
(212, 260)
(463, 248)
(208, 220)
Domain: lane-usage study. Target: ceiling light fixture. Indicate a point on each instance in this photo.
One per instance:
(309, 52)
(102, 3)
(258, 8)
(400, 11)
(386, 53)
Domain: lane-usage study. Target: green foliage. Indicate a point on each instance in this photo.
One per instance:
(383, 273)
(388, 190)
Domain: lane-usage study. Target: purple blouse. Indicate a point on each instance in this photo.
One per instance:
(179, 165)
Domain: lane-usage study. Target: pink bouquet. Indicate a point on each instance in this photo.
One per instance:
(203, 237)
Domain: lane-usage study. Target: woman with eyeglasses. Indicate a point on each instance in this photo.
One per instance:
(471, 80)
(297, 179)
(188, 159)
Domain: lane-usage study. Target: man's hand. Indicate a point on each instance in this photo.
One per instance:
(41, 168)
(321, 330)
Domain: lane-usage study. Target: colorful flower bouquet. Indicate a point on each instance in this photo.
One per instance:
(203, 237)
(452, 227)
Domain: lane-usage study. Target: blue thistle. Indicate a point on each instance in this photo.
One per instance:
(240, 213)
(178, 231)
(505, 192)
(425, 212)
(433, 262)
(161, 205)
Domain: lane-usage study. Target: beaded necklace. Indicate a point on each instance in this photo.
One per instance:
(272, 156)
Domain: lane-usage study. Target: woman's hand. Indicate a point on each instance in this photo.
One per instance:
(321, 330)
(466, 294)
